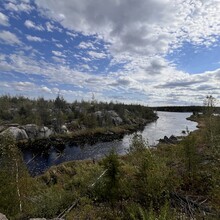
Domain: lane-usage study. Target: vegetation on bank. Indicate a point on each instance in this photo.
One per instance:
(178, 181)
(209, 103)
(76, 116)
(195, 109)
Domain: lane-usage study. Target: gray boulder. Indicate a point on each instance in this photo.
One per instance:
(64, 129)
(2, 128)
(173, 139)
(3, 217)
(113, 113)
(115, 117)
(17, 133)
(44, 132)
(98, 114)
(31, 130)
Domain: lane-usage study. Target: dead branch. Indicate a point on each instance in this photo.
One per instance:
(189, 206)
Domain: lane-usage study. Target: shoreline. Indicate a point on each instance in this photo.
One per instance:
(198, 119)
(158, 147)
(82, 137)
(111, 135)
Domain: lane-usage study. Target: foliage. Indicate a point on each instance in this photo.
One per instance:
(109, 186)
(135, 211)
(138, 185)
(55, 113)
(138, 144)
(15, 184)
(191, 157)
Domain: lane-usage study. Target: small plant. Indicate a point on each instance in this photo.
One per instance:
(138, 144)
(108, 188)
(191, 157)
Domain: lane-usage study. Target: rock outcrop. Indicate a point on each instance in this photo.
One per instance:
(17, 133)
(64, 129)
(34, 131)
(171, 140)
(44, 132)
(115, 117)
(3, 217)
(29, 131)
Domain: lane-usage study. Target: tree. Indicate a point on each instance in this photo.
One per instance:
(191, 157)
(14, 176)
(16, 186)
(110, 184)
(43, 111)
(209, 103)
(60, 105)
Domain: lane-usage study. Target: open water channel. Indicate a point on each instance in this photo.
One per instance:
(168, 123)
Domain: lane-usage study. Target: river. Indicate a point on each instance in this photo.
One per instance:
(168, 123)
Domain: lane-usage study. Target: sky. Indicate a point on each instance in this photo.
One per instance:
(150, 52)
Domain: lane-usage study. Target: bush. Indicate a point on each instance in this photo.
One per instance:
(108, 188)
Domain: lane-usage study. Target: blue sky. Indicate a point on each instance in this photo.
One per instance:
(152, 52)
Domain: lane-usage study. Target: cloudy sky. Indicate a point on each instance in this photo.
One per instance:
(152, 52)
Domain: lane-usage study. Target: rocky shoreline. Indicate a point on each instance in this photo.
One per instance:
(80, 138)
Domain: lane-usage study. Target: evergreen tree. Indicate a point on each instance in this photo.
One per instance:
(111, 179)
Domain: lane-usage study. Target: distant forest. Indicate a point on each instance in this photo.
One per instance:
(184, 108)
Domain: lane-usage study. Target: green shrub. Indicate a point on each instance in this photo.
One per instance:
(108, 188)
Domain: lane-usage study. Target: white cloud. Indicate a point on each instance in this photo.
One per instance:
(121, 86)
(50, 27)
(136, 36)
(71, 34)
(97, 55)
(86, 45)
(4, 20)
(28, 89)
(9, 38)
(59, 45)
(19, 7)
(22, 86)
(34, 38)
(85, 67)
(46, 89)
(59, 59)
(143, 27)
(32, 25)
(54, 40)
(58, 53)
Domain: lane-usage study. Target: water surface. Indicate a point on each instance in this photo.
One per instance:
(168, 123)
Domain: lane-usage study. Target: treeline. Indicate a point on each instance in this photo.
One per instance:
(78, 115)
(184, 109)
